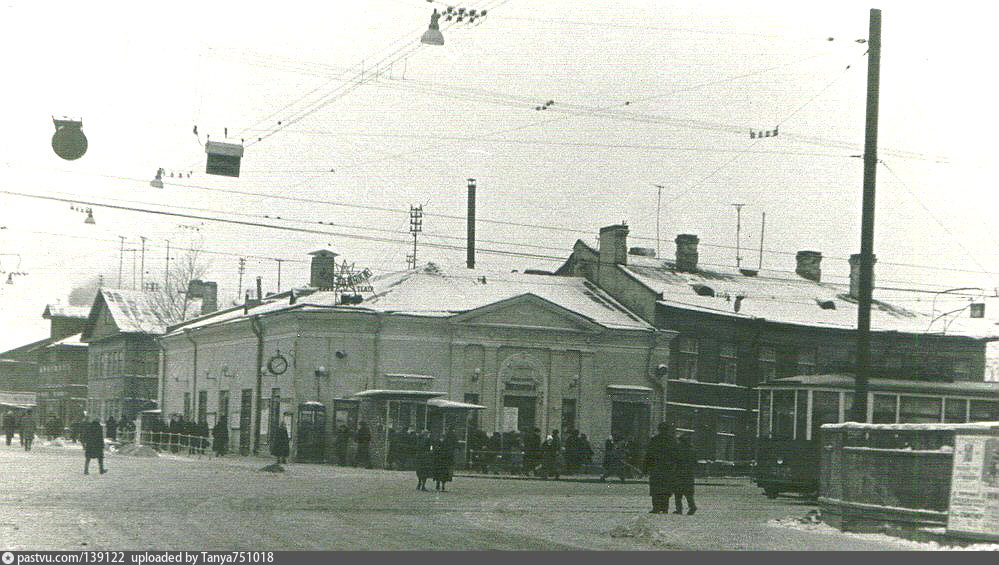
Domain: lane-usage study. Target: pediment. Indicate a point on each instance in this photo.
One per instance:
(100, 323)
(529, 312)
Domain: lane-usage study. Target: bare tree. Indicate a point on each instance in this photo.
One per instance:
(173, 300)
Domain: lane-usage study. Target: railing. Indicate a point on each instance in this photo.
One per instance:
(171, 442)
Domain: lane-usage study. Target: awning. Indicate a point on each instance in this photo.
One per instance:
(453, 404)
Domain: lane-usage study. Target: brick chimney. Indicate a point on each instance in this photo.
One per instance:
(207, 291)
(323, 269)
(809, 265)
(686, 253)
(614, 244)
(855, 274)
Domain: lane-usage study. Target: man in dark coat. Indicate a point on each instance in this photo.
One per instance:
(279, 443)
(423, 453)
(392, 461)
(443, 460)
(220, 438)
(342, 441)
(27, 430)
(661, 465)
(363, 439)
(93, 446)
(572, 452)
(112, 428)
(532, 450)
(686, 461)
(613, 464)
(9, 423)
(53, 428)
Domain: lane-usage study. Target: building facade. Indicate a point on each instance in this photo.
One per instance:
(533, 350)
(736, 329)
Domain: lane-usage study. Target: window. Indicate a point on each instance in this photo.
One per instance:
(806, 361)
(687, 364)
(885, 409)
(473, 422)
(919, 410)
(764, 428)
(984, 411)
(223, 408)
(729, 362)
(768, 363)
(962, 370)
(825, 410)
(683, 418)
(725, 439)
(783, 426)
(955, 410)
(568, 416)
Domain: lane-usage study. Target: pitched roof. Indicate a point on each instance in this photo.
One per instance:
(782, 299)
(132, 311)
(64, 311)
(431, 291)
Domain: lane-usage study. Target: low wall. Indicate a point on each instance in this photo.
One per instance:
(877, 474)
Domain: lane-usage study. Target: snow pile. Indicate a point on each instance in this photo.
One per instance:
(646, 527)
(272, 468)
(133, 450)
(813, 523)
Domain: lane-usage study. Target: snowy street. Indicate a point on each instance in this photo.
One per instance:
(173, 503)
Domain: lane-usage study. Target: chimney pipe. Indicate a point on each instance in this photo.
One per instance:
(614, 244)
(260, 292)
(809, 265)
(471, 224)
(855, 274)
(686, 252)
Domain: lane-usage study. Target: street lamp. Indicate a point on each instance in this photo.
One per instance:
(433, 35)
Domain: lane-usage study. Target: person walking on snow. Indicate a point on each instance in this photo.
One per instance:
(363, 439)
(27, 431)
(661, 465)
(93, 446)
(280, 447)
(686, 461)
(9, 423)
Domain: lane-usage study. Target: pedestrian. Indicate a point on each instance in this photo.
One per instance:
(52, 428)
(585, 451)
(203, 435)
(494, 449)
(220, 438)
(613, 465)
(532, 451)
(93, 446)
(661, 465)
(549, 454)
(443, 459)
(27, 431)
(9, 423)
(572, 452)
(112, 428)
(686, 461)
(392, 460)
(279, 443)
(424, 460)
(363, 439)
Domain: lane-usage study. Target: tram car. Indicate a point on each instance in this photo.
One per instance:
(792, 410)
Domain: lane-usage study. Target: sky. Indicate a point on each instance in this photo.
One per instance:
(348, 120)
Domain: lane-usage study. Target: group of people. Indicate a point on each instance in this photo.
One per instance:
(670, 463)
(361, 437)
(434, 458)
(528, 453)
(24, 426)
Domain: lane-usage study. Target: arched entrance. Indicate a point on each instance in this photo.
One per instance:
(521, 394)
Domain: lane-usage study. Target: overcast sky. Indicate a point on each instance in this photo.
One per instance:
(644, 93)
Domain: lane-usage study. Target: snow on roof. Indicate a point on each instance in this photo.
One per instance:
(913, 427)
(72, 341)
(65, 311)
(434, 292)
(388, 393)
(453, 404)
(134, 311)
(782, 299)
(879, 384)
(629, 388)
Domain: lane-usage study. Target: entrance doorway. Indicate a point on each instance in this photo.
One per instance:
(630, 421)
(526, 409)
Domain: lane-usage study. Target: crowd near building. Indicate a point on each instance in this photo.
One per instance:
(613, 342)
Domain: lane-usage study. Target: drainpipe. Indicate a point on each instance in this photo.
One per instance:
(163, 377)
(258, 330)
(652, 376)
(194, 381)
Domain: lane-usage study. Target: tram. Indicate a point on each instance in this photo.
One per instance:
(792, 410)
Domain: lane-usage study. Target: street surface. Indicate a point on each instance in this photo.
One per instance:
(178, 502)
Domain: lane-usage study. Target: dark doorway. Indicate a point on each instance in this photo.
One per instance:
(245, 412)
(630, 421)
(526, 410)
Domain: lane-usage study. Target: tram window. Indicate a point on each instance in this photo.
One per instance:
(765, 413)
(885, 409)
(955, 410)
(919, 410)
(984, 411)
(783, 414)
(848, 405)
(825, 410)
(801, 415)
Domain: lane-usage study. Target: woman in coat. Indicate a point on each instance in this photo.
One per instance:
(27, 431)
(279, 447)
(93, 446)
(220, 438)
(661, 465)
(549, 461)
(423, 454)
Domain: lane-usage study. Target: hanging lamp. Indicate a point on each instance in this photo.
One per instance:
(433, 35)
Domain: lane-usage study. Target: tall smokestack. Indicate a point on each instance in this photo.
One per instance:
(471, 223)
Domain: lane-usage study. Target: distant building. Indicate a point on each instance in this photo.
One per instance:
(536, 351)
(123, 356)
(736, 329)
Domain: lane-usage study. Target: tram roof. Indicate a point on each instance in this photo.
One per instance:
(846, 381)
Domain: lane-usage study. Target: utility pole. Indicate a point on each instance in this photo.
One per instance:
(132, 251)
(166, 273)
(738, 235)
(659, 204)
(279, 261)
(242, 268)
(142, 264)
(763, 231)
(415, 227)
(867, 219)
(121, 258)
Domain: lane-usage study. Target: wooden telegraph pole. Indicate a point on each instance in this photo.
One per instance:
(867, 220)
